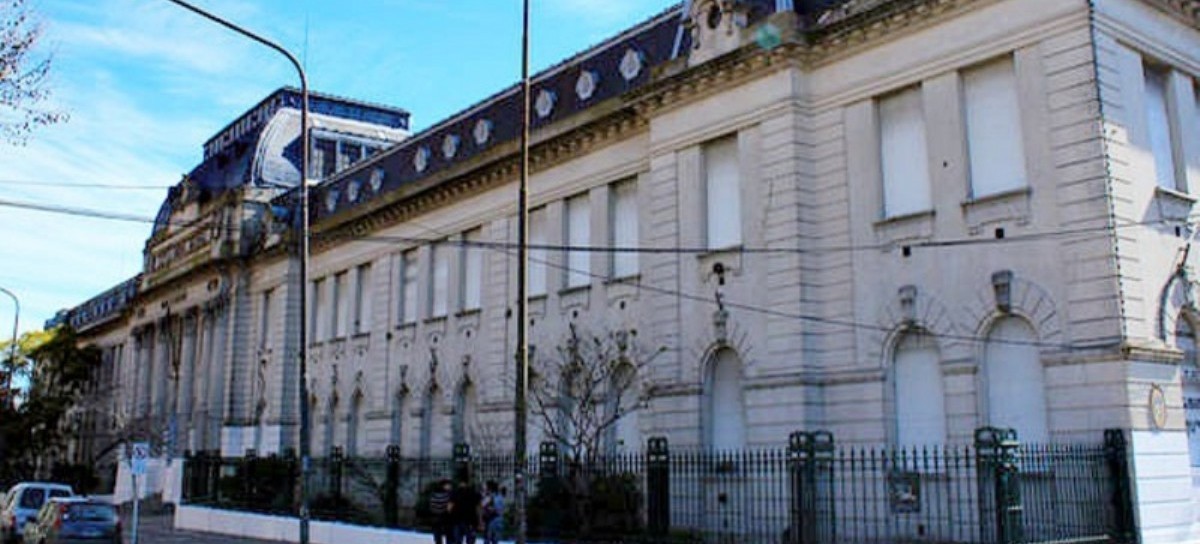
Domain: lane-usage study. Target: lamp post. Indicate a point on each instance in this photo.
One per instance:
(521, 404)
(302, 253)
(12, 350)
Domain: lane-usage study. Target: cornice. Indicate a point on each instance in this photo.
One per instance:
(493, 170)
(1185, 11)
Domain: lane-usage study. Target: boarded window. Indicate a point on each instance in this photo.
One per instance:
(722, 193)
(903, 154)
(994, 139)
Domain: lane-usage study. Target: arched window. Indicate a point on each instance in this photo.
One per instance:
(625, 434)
(427, 408)
(920, 406)
(397, 433)
(726, 420)
(352, 424)
(330, 421)
(1185, 340)
(464, 414)
(1016, 392)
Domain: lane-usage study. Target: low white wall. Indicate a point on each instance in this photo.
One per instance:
(211, 520)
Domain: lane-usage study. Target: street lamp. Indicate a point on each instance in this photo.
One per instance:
(12, 350)
(303, 251)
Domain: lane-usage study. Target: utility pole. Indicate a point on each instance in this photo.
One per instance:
(302, 254)
(522, 371)
(12, 349)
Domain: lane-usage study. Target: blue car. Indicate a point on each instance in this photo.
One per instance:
(75, 521)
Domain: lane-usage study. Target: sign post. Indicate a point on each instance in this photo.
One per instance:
(137, 467)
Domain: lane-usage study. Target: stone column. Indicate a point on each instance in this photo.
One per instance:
(187, 378)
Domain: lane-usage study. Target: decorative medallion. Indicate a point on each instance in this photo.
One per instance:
(482, 132)
(1158, 407)
(585, 87)
(352, 190)
(377, 176)
(450, 146)
(331, 199)
(545, 103)
(631, 64)
(421, 159)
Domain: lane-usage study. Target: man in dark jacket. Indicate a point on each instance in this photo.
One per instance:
(465, 512)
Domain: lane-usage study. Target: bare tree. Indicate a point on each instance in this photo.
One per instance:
(24, 76)
(582, 391)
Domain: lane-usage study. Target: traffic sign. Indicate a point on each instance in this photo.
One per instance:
(137, 461)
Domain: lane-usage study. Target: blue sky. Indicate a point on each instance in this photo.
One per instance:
(146, 83)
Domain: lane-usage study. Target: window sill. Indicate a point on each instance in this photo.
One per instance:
(1173, 205)
(435, 320)
(407, 325)
(630, 279)
(468, 312)
(568, 291)
(1011, 205)
(908, 227)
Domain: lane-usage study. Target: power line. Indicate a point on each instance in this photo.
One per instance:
(73, 185)
(445, 239)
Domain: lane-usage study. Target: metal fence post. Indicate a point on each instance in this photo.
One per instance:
(658, 486)
(1000, 474)
(213, 476)
(462, 462)
(810, 456)
(391, 497)
(1116, 452)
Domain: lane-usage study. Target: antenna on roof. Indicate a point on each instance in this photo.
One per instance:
(687, 8)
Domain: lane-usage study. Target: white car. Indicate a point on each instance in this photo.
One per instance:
(21, 504)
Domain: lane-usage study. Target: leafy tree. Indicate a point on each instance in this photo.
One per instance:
(33, 431)
(23, 75)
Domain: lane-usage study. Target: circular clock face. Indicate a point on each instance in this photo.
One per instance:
(1158, 407)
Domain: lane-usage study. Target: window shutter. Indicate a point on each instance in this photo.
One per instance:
(578, 235)
(722, 191)
(904, 157)
(994, 142)
(920, 405)
(624, 228)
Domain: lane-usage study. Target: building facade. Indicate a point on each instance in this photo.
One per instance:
(895, 220)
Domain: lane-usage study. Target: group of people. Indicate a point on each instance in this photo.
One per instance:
(460, 513)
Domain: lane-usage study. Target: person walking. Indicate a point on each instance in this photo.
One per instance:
(439, 508)
(493, 513)
(464, 510)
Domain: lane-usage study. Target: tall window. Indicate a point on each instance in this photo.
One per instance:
(920, 405)
(994, 141)
(722, 193)
(341, 306)
(440, 286)
(1185, 340)
(1158, 124)
(464, 414)
(264, 322)
(537, 256)
(727, 427)
(579, 234)
(324, 157)
(1016, 391)
(408, 286)
(362, 299)
(623, 405)
(352, 424)
(905, 162)
(318, 321)
(472, 270)
(624, 226)
(350, 153)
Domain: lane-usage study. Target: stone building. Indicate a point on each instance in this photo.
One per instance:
(896, 220)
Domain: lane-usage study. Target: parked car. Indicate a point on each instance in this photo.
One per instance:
(74, 520)
(22, 503)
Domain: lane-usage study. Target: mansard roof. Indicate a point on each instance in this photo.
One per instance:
(608, 70)
(99, 309)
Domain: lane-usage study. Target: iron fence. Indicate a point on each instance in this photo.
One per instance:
(813, 491)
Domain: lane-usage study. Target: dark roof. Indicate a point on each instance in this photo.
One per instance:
(98, 309)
